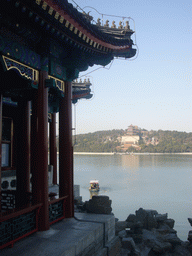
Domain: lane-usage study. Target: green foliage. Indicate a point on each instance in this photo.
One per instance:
(102, 141)
(108, 141)
(169, 142)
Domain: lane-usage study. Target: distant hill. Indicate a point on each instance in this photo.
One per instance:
(110, 141)
(101, 141)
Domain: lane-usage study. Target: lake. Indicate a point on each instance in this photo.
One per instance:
(158, 182)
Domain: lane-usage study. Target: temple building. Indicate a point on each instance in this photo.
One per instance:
(44, 45)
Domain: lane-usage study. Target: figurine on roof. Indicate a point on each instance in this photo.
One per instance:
(113, 24)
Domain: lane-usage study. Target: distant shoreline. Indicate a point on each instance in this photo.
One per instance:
(111, 153)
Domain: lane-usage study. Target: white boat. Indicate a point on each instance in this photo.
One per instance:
(94, 186)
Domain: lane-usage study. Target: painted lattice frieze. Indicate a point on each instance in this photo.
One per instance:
(18, 51)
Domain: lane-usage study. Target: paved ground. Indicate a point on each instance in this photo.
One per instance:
(65, 238)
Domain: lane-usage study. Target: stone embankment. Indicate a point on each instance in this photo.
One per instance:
(147, 233)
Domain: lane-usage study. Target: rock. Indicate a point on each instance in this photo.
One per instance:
(129, 232)
(120, 225)
(153, 240)
(125, 252)
(190, 236)
(172, 238)
(137, 252)
(122, 234)
(165, 229)
(130, 224)
(147, 218)
(161, 247)
(141, 213)
(151, 222)
(128, 243)
(153, 234)
(181, 251)
(138, 238)
(190, 221)
(170, 223)
(99, 205)
(161, 217)
(189, 247)
(137, 224)
(131, 218)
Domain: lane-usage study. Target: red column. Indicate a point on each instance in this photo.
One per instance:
(66, 150)
(23, 153)
(34, 146)
(1, 104)
(40, 176)
(53, 147)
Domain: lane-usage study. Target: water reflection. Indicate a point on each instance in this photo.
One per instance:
(160, 182)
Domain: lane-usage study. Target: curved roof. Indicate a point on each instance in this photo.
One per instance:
(78, 27)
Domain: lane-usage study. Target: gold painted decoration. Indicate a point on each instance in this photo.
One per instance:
(61, 19)
(56, 15)
(71, 27)
(75, 31)
(50, 10)
(80, 33)
(67, 24)
(59, 83)
(38, 2)
(24, 70)
(44, 6)
(84, 37)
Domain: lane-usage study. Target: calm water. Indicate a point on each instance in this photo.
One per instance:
(159, 182)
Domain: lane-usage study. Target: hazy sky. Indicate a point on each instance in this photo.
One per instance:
(154, 91)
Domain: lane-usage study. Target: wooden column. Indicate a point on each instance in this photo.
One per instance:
(34, 146)
(23, 153)
(66, 150)
(1, 114)
(40, 176)
(53, 147)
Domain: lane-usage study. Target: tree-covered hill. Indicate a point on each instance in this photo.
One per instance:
(101, 141)
(169, 142)
(107, 141)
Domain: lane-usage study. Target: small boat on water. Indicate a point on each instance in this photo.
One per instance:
(94, 186)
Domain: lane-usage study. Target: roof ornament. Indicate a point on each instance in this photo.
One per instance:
(127, 25)
(106, 24)
(88, 17)
(113, 24)
(120, 25)
(98, 22)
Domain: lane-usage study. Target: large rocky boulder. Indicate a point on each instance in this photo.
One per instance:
(99, 204)
(149, 233)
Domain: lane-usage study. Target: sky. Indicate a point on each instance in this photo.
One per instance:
(154, 89)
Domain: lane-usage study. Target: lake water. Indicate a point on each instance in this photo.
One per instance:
(159, 182)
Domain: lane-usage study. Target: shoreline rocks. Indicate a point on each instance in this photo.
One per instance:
(148, 233)
(145, 233)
